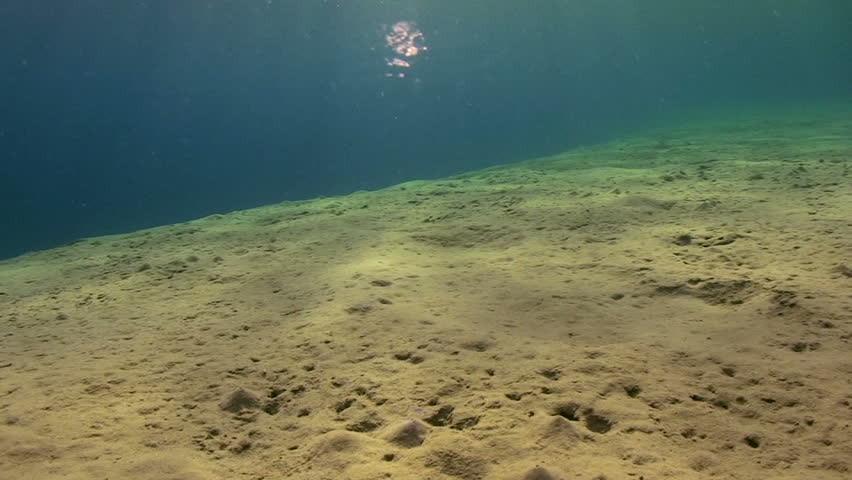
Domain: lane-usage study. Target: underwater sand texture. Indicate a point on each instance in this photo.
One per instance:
(675, 305)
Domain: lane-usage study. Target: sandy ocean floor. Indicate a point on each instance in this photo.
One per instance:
(672, 305)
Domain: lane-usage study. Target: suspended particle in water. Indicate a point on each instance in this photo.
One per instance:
(398, 62)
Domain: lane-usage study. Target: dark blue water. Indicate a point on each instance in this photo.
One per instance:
(118, 115)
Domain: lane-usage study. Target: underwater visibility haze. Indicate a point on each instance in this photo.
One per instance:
(425, 239)
(123, 115)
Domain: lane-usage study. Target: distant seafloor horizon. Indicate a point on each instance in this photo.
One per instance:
(676, 127)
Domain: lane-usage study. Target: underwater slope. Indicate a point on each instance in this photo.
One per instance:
(672, 305)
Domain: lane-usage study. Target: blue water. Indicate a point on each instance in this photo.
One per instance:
(119, 115)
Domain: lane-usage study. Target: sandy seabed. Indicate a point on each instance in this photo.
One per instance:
(677, 304)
